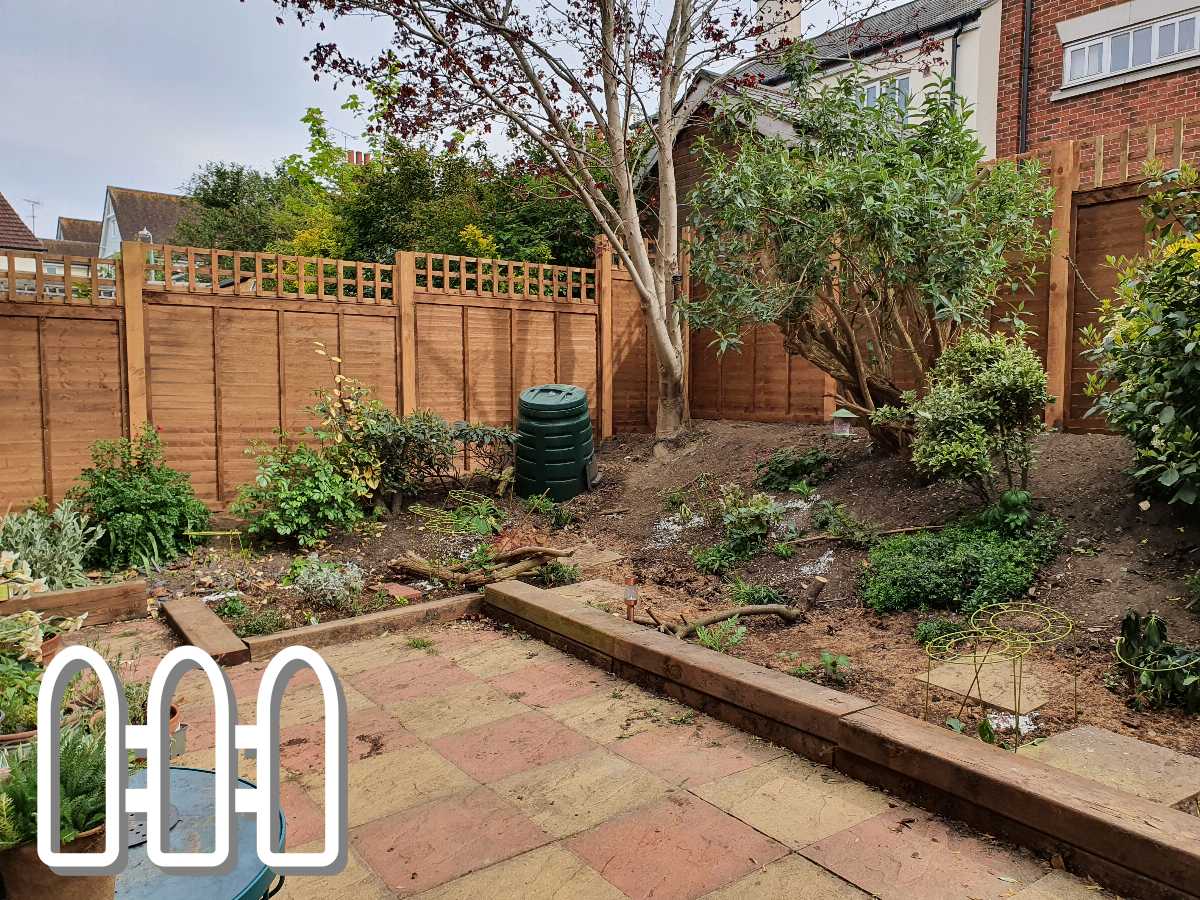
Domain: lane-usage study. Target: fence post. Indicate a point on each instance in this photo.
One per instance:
(1064, 178)
(405, 276)
(133, 279)
(604, 303)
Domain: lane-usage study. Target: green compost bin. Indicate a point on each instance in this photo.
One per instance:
(554, 442)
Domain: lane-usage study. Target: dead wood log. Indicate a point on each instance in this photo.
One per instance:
(527, 559)
(789, 614)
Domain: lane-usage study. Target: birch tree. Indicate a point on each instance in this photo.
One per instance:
(601, 89)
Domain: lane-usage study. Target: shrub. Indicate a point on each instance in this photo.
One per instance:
(835, 519)
(985, 403)
(331, 585)
(19, 684)
(959, 568)
(488, 447)
(721, 636)
(1162, 673)
(714, 560)
(144, 506)
(54, 544)
(932, 629)
(1146, 346)
(1012, 512)
(743, 593)
(788, 469)
(81, 758)
(297, 494)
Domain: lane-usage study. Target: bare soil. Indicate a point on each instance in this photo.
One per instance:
(1115, 555)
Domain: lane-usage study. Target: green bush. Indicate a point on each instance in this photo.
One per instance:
(721, 636)
(1163, 674)
(931, 629)
(1148, 342)
(19, 684)
(330, 585)
(144, 506)
(976, 422)
(81, 771)
(555, 573)
(787, 469)
(55, 544)
(747, 521)
(959, 568)
(715, 560)
(297, 494)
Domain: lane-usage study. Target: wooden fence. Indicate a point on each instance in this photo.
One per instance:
(218, 348)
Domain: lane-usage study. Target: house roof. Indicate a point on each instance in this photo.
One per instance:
(135, 210)
(79, 230)
(55, 247)
(875, 32)
(14, 233)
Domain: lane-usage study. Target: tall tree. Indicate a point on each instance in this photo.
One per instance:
(602, 88)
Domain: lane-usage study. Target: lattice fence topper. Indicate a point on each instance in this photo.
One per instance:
(1000, 633)
(262, 737)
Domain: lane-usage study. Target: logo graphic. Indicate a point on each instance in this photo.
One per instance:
(262, 737)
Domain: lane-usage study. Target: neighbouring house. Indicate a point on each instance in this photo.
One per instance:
(75, 237)
(1074, 68)
(132, 215)
(14, 233)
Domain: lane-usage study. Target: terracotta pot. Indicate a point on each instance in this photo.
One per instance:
(27, 878)
(50, 648)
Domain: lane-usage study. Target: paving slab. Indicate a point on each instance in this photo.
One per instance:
(995, 684)
(554, 683)
(790, 878)
(696, 751)
(490, 752)
(548, 873)
(906, 853)
(1147, 770)
(795, 801)
(575, 793)
(355, 882)
(369, 732)
(625, 712)
(457, 709)
(594, 592)
(1061, 886)
(435, 843)
(676, 849)
(593, 560)
(418, 677)
(501, 657)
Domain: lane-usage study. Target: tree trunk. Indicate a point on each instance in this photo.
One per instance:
(670, 420)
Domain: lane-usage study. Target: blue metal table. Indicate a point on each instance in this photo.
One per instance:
(192, 792)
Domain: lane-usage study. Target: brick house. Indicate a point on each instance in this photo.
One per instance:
(1094, 66)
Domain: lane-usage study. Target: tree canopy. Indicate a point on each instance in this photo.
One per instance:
(871, 234)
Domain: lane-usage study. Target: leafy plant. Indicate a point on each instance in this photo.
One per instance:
(297, 494)
(54, 544)
(783, 550)
(787, 469)
(231, 608)
(1148, 340)
(22, 634)
(743, 593)
(1160, 672)
(1012, 512)
(976, 422)
(803, 670)
(960, 568)
(835, 519)
(19, 685)
(747, 521)
(715, 560)
(145, 507)
(81, 762)
(931, 629)
(836, 667)
(871, 242)
(722, 636)
(16, 577)
(488, 447)
(472, 514)
(558, 514)
(331, 585)
(420, 643)
(267, 620)
(555, 573)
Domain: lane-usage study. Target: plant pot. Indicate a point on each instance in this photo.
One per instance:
(50, 648)
(173, 726)
(26, 877)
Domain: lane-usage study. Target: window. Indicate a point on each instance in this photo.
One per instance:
(896, 88)
(1131, 48)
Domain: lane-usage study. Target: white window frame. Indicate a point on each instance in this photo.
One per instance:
(1104, 41)
(890, 82)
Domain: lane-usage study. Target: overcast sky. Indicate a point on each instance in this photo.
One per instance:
(138, 93)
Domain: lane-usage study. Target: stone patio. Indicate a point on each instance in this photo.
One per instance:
(493, 766)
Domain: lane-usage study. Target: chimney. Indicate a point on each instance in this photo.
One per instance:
(781, 18)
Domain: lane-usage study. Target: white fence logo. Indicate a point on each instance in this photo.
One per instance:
(262, 737)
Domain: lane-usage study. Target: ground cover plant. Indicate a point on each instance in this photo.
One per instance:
(145, 508)
(1160, 672)
(81, 757)
(789, 469)
(1145, 345)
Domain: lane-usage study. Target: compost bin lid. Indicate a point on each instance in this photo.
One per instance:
(549, 397)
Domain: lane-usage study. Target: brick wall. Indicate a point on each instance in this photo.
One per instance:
(1140, 103)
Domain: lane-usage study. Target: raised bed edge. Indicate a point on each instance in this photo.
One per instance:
(103, 603)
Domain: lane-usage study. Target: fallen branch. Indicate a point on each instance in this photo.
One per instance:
(528, 559)
(789, 614)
